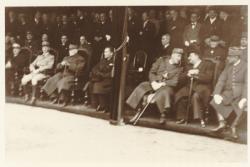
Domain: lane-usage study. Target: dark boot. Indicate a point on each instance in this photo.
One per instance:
(33, 96)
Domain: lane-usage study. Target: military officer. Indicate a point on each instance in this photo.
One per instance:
(230, 93)
(62, 81)
(38, 69)
(163, 77)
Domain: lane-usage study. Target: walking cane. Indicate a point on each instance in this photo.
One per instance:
(143, 110)
(189, 98)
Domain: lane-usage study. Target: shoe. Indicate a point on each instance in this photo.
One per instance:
(221, 127)
(182, 121)
(99, 108)
(33, 100)
(26, 98)
(64, 104)
(203, 125)
(54, 101)
(162, 118)
(234, 133)
(134, 117)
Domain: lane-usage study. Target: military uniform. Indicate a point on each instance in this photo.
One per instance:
(163, 96)
(41, 63)
(232, 86)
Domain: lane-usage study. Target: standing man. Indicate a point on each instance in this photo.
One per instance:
(38, 70)
(202, 73)
(163, 77)
(191, 32)
(166, 47)
(230, 93)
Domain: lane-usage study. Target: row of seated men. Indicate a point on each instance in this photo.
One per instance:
(59, 82)
(169, 84)
(164, 76)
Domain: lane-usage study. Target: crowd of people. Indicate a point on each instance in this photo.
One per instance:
(202, 49)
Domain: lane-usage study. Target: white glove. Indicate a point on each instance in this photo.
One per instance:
(218, 99)
(8, 64)
(35, 71)
(165, 75)
(242, 103)
(108, 37)
(150, 97)
(155, 85)
(186, 43)
(193, 72)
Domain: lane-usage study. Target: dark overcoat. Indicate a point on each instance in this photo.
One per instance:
(100, 77)
(64, 80)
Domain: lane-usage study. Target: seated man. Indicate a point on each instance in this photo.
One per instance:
(64, 79)
(230, 93)
(16, 62)
(101, 81)
(202, 73)
(163, 77)
(38, 70)
(216, 54)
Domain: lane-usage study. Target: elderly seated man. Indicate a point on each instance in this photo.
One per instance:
(163, 77)
(15, 63)
(230, 93)
(62, 81)
(38, 69)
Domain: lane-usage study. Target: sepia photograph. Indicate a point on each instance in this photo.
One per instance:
(132, 83)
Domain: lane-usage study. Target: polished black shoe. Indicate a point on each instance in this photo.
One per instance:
(203, 125)
(134, 117)
(162, 118)
(221, 127)
(182, 121)
(33, 101)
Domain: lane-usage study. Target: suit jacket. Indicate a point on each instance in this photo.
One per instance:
(208, 29)
(175, 29)
(232, 83)
(202, 82)
(226, 30)
(191, 34)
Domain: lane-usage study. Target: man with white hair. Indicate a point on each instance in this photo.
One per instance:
(62, 81)
(38, 69)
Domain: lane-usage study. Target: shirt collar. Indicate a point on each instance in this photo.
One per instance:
(212, 20)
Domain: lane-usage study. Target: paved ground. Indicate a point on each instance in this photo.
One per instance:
(41, 135)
